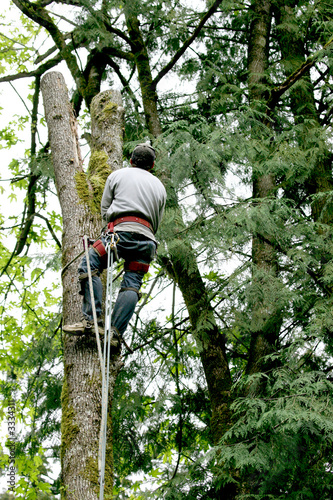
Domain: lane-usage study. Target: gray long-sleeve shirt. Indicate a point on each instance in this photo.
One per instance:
(133, 191)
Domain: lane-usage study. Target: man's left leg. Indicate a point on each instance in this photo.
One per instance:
(86, 325)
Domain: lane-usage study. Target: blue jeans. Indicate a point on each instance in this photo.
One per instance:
(130, 247)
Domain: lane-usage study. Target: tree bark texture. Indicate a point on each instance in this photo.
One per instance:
(81, 394)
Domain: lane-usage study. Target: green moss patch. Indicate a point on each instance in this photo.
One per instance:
(90, 185)
(69, 429)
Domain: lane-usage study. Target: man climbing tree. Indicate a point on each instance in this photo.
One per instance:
(134, 201)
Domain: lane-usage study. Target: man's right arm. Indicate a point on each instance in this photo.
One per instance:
(106, 198)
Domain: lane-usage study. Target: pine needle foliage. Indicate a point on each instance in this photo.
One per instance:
(281, 441)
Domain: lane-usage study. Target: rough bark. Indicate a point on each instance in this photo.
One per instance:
(81, 395)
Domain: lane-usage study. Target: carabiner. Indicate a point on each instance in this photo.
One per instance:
(113, 245)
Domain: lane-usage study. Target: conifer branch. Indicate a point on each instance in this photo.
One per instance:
(189, 41)
(277, 92)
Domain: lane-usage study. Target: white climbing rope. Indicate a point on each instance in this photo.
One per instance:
(111, 248)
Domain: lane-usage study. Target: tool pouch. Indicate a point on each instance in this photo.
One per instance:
(99, 248)
(138, 267)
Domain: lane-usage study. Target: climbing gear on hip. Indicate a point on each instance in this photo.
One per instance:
(100, 248)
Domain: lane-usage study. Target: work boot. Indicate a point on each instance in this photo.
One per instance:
(84, 327)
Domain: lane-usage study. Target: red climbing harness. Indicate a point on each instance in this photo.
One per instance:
(129, 218)
(100, 249)
(136, 266)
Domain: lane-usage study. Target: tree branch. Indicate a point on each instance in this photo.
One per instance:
(45, 3)
(191, 39)
(41, 58)
(277, 92)
(31, 74)
(117, 32)
(50, 228)
(21, 241)
(39, 15)
(102, 20)
(124, 82)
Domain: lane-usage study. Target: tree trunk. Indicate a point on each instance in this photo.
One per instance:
(303, 107)
(266, 321)
(148, 92)
(184, 268)
(81, 394)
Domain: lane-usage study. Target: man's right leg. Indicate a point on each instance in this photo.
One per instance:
(127, 299)
(136, 250)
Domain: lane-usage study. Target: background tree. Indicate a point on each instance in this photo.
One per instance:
(246, 157)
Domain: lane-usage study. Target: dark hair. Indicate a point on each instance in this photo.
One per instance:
(143, 156)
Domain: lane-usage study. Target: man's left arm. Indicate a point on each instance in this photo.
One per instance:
(162, 206)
